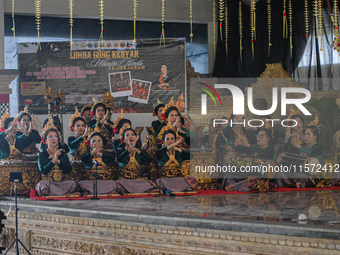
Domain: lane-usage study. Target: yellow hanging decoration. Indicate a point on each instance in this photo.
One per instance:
(71, 23)
(336, 41)
(269, 11)
(221, 15)
(101, 15)
(214, 25)
(284, 16)
(240, 26)
(290, 17)
(335, 16)
(320, 22)
(163, 16)
(316, 15)
(226, 26)
(135, 5)
(191, 34)
(13, 22)
(38, 20)
(306, 20)
(252, 25)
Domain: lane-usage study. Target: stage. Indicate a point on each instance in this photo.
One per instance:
(252, 223)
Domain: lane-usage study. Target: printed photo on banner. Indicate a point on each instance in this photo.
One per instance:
(141, 91)
(120, 84)
(164, 78)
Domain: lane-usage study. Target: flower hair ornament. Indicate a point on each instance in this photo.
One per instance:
(167, 127)
(154, 111)
(3, 118)
(121, 116)
(93, 106)
(121, 134)
(88, 106)
(95, 130)
(171, 103)
(49, 124)
(75, 115)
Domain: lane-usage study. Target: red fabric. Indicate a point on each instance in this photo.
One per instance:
(33, 194)
(4, 98)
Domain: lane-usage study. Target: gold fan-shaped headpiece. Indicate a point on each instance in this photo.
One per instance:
(49, 124)
(293, 112)
(75, 115)
(3, 118)
(121, 116)
(170, 104)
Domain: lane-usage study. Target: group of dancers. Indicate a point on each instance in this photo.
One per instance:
(114, 152)
(299, 141)
(100, 145)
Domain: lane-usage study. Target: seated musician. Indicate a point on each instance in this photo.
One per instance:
(310, 148)
(25, 120)
(76, 143)
(86, 113)
(160, 123)
(295, 133)
(101, 117)
(54, 165)
(237, 131)
(173, 118)
(170, 159)
(119, 125)
(130, 157)
(96, 157)
(61, 146)
(262, 149)
(12, 146)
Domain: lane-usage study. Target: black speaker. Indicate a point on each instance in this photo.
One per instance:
(15, 177)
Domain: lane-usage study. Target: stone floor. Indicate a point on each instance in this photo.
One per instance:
(297, 213)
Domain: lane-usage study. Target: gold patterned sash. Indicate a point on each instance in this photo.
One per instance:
(102, 171)
(132, 169)
(55, 175)
(13, 152)
(80, 152)
(171, 168)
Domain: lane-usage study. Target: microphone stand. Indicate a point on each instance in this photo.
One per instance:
(16, 240)
(95, 187)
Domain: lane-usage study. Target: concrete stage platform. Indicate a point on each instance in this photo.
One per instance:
(253, 223)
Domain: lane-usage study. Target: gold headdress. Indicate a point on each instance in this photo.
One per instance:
(83, 109)
(167, 127)
(49, 124)
(154, 111)
(121, 116)
(293, 112)
(35, 123)
(121, 132)
(75, 115)
(95, 130)
(3, 118)
(170, 104)
(23, 111)
(108, 100)
(315, 122)
(94, 104)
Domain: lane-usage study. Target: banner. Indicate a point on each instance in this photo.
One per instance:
(135, 73)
